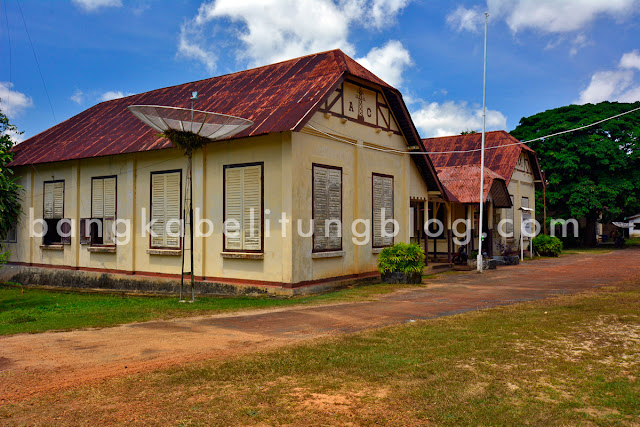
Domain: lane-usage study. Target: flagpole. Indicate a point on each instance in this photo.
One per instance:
(484, 123)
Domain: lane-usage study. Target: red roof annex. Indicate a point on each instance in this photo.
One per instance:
(500, 160)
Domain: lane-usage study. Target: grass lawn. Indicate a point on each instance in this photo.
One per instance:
(36, 310)
(564, 361)
(634, 241)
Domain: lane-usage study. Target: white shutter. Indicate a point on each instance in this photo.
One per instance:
(252, 206)
(233, 208)
(320, 207)
(109, 186)
(58, 199)
(48, 200)
(382, 202)
(97, 198)
(158, 209)
(172, 208)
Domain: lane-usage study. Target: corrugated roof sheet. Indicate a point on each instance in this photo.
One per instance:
(277, 97)
(500, 160)
(461, 184)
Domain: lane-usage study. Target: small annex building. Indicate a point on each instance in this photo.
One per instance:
(512, 174)
(325, 145)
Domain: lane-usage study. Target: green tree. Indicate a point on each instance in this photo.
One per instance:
(591, 173)
(9, 190)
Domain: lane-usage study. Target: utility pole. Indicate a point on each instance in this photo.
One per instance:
(479, 258)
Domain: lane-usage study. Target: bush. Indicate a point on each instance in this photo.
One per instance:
(547, 245)
(402, 257)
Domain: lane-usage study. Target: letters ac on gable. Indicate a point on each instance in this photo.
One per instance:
(361, 104)
(523, 165)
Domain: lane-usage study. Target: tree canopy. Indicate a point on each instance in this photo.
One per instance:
(593, 171)
(9, 189)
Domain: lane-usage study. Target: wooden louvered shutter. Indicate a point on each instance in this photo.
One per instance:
(109, 186)
(320, 203)
(172, 208)
(97, 198)
(334, 208)
(48, 200)
(158, 210)
(233, 208)
(252, 207)
(327, 206)
(509, 225)
(58, 199)
(382, 200)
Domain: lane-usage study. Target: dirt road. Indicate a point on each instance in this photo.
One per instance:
(31, 364)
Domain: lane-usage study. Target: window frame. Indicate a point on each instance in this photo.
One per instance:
(115, 217)
(393, 203)
(62, 240)
(313, 210)
(224, 207)
(6, 239)
(181, 209)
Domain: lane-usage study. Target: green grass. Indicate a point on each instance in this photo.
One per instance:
(36, 310)
(634, 241)
(572, 360)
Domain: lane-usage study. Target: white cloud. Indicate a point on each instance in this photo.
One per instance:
(619, 85)
(268, 31)
(630, 60)
(113, 94)
(387, 62)
(12, 102)
(547, 16)
(77, 97)
(16, 137)
(463, 19)
(383, 12)
(94, 5)
(450, 118)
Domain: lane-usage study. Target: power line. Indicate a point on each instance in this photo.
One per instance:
(391, 150)
(37, 63)
(6, 19)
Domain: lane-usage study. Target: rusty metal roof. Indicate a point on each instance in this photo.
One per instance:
(277, 97)
(462, 184)
(500, 160)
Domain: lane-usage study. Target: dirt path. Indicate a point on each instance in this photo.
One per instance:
(37, 363)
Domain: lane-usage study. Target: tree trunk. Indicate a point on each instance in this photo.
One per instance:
(590, 232)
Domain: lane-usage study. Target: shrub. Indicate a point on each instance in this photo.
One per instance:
(547, 245)
(404, 257)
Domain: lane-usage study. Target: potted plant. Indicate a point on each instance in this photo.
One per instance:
(401, 263)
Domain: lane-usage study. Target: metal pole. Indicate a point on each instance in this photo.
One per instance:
(484, 123)
(193, 296)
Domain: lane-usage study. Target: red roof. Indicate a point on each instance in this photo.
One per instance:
(462, 184)
(500, 160)
(278, 97)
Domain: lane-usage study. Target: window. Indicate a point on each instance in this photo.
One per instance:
(382, 209)
(509, 225)
(166, 202)
(327, 208)
(243, 201)
(11, 236)
(58, 228)
(103, 213)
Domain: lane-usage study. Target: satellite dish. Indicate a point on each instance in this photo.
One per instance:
(203, 123)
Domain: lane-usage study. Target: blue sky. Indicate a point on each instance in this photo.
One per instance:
(542, 53)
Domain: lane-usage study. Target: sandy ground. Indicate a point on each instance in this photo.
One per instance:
(32, 364)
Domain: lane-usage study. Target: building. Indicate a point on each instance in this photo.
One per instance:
(634, 225)
(508, 163)
(326, 145)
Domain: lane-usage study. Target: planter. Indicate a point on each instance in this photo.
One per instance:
(400, 277)
(487, 264)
